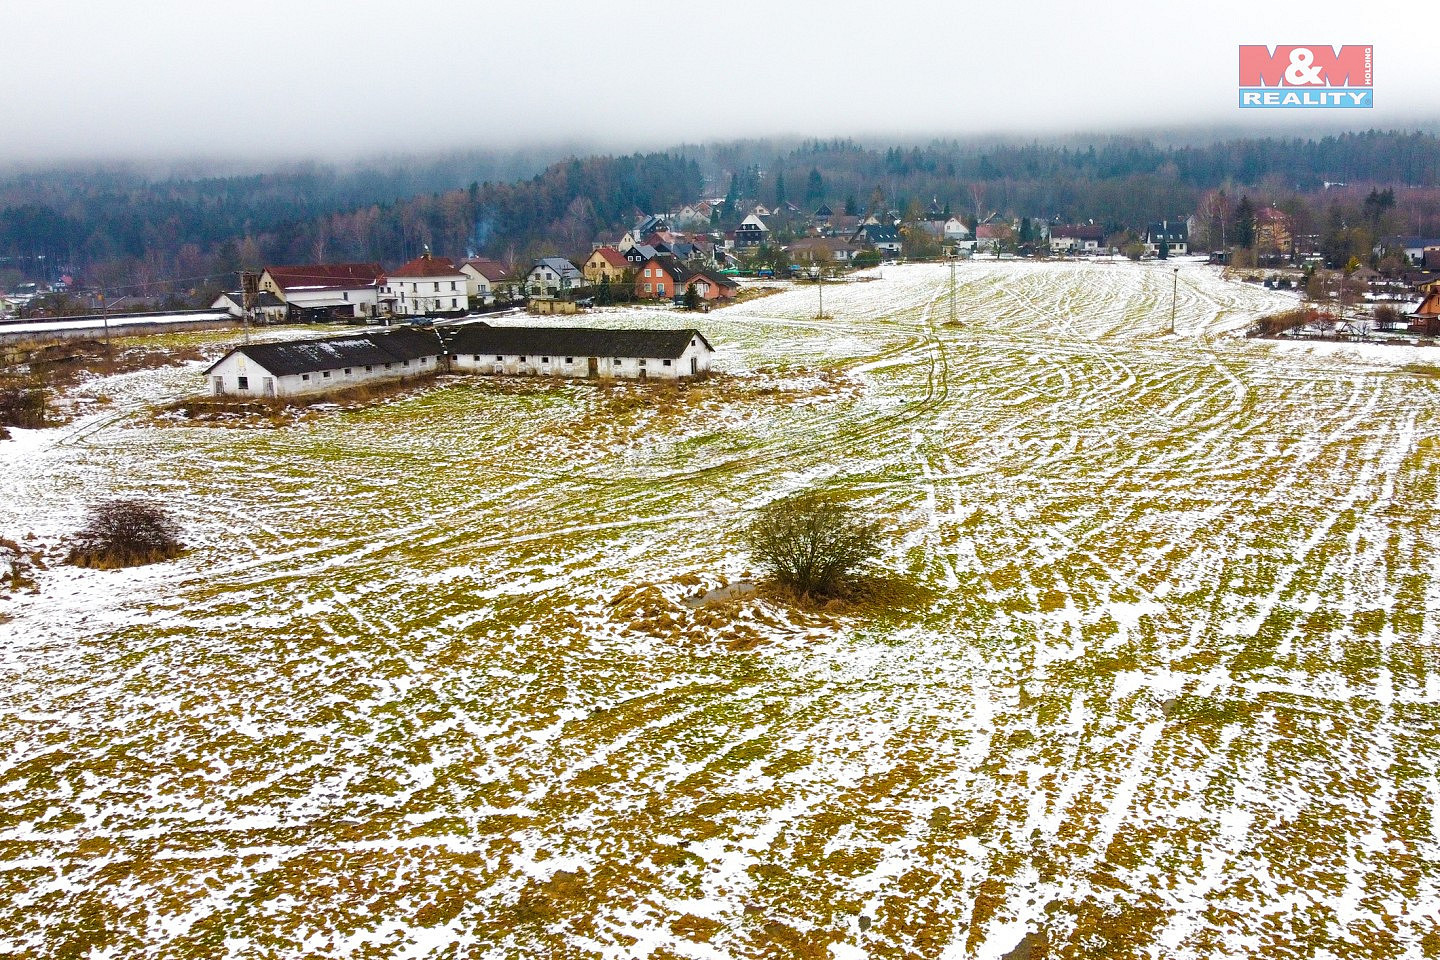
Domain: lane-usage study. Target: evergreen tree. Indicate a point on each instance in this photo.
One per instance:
(814, 188)
(1242, 233)
(779, 190)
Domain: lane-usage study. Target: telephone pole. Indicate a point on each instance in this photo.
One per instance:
(1174, 290)
(952, 288)
(105, 320)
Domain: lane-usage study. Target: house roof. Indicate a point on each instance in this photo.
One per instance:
(263, 299)
(426, 266)
(1431, 306)
(325, 276)
(612, 256)
(1165, 230)
(492, 270)
(569, 341)
(288, 357)
(1080, 231)
(559, 264)
(672, 266)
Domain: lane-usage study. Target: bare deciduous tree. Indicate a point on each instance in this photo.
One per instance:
(126, 533)
(811, 543)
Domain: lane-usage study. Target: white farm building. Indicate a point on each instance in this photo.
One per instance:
(578, 351)
(290, 367)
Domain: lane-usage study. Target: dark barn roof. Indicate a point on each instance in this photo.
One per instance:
(288, 357)
(569, 341)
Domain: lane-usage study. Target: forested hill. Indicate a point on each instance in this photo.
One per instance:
(122, 230)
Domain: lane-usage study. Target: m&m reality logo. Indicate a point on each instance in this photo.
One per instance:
(1307, 76)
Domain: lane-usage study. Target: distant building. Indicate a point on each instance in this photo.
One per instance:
(665, 276)
(427, 285)
(751, 233)
(293, 367)
(1274, 232)
(483, 278)
(605, 264)
(823, 250)
(955, 229)
(553, 277)
(1174, 235)
(882, 237)
(1077, 238)
(577, 351)
(324, 291)
(268, 307)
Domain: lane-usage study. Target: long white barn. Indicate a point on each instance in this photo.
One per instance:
(578, 351)
(291, 367)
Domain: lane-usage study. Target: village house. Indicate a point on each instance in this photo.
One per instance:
(292, 367)
(823, 250)
(1426, 318)
(605, 264)
(1077, 238)
(751, 233)
(1173, 235)
(553, 277)
(324, 291)
(637, 254)
(268, 307)
(483, 277)
(427, 285)
(666, 276)
(577, 351)
(955, 229)
(882, 237)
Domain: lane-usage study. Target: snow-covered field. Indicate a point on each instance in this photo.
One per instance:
(424, 686)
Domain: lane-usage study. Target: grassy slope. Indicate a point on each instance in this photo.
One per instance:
(1177, 696)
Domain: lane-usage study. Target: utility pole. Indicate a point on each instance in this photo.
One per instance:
(105, 320)
(952, 288)
(1174, 290)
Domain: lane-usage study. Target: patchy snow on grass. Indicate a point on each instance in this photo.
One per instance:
(432, 680)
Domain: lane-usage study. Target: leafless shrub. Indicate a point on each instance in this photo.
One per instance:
(126, 533)
(811, 543)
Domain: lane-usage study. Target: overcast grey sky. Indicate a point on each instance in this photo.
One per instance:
(165, 78)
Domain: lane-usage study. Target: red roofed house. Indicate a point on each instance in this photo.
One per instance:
(664, 276)
(325, 290)
(1077, 238)
(428, 285)
(482, 277)
(605, 263)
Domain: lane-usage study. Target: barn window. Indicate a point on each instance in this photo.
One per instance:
(326, 374)
(304, 376)
(404, 363)
(544, 359)
(569, 359)
(642, 361)
(475, 357)
(367, 367)
(667, 363)
(497, 357)
(347, 371)
(242, 383)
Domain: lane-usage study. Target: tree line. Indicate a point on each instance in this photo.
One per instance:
(124, 231)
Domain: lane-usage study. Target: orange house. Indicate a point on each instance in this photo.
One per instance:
(664, 276)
